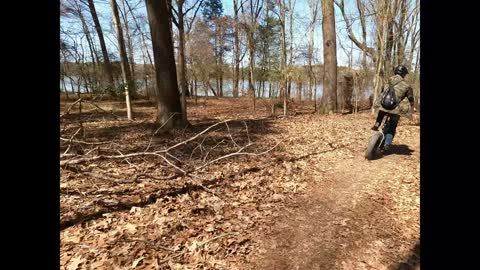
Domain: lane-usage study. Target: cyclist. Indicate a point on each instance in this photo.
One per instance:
(402, 90)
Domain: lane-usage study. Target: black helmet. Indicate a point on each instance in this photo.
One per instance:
(400, 70)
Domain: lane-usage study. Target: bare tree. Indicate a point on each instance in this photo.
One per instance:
(179, 21)
(128, 36)
(236, 49)
(168, 98)
(414, 33)
(313, 6)
(283, 63)
(370, 51)
(106, 61)
(291, 7)
(123, 57)
(250, 26)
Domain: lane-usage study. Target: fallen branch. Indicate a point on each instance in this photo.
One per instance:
(196, 136)
(238, 153)
(83, 142)
(70, 107)
(165, 152)
(98, 107)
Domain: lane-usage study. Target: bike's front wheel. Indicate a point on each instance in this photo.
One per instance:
(373, 145)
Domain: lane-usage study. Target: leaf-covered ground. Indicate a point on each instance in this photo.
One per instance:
(313, 202)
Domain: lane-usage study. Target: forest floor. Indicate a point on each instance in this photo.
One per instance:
(303, 198)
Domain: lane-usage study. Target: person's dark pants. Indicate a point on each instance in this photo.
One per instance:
(390, 128)
(379, 120)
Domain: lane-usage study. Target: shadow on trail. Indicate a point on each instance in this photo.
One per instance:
(413, 260)
(98, 116)
(400, 149)
(396, 149)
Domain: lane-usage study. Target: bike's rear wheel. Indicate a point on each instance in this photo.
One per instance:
(373, 145)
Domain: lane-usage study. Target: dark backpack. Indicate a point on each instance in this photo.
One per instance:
(389, 100)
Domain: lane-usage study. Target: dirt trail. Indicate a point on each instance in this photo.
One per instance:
(356, 215)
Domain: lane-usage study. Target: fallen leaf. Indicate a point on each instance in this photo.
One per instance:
(74, 262)
(131, 228)
(210, 228)
(135, 263)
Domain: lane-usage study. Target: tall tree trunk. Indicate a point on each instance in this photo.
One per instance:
(251, 78)
(364, 73)
(414, 35)
(283, 64)
(263, 88)
(291, 7)
(142, 35)
(299, 90)
(313, 6)
(330, 58)
(391, 12)
(221, 42)
(400, 34)
(236, 53)
(168, 98)
(123, 58)
(93, 53)
(131, 59)
(270, 89)
(183, 70)
(195, 89)
(382, 21)
(145, 76)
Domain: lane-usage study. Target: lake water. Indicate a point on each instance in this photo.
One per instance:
(227, 87)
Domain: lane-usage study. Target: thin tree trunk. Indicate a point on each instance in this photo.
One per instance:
(87, 35)
(142, 35)
(291, 7)
(183, 71)
(400, 36)
(195, 89)
(251, 79)
(236, 58)
(222, 42)
(131, 59)
(283, 65)
(123, 57)
(310, 57)
(299, 91)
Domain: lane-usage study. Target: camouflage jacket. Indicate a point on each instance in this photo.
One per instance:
(404, 93)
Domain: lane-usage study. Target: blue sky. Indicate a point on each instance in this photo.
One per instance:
(300, 25)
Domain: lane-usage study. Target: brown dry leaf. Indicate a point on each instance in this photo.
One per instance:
(135, 209)
(73, 239)
(135, 263)
(75, 262)
(64, 258)
(97, 264)
(210, 228)
(102, 239)
(131, 228)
